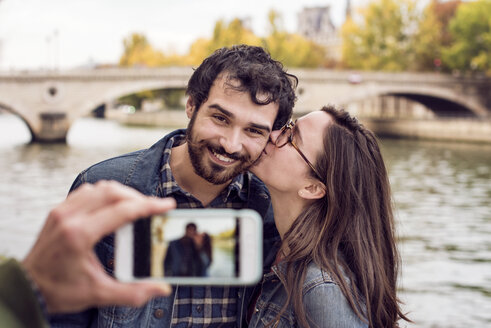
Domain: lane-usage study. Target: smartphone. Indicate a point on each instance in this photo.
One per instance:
(192, 247)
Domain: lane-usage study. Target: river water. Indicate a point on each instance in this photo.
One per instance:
(442, 195)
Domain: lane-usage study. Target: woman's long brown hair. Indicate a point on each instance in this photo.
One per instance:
(350, 231)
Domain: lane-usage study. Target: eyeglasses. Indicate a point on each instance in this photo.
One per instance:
(286, 136)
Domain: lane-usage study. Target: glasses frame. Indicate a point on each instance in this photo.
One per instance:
(289, 127)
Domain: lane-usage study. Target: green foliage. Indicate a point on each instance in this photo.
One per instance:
(426, 43)
(172, 97)
(380, 39)
(434, 34)
(445, 11)
(136, 99)
(471, 30)
(386, 35)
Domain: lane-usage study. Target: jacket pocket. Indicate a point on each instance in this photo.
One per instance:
(118, 316)
(269, 316)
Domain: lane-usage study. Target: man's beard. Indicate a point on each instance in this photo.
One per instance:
(212, 172)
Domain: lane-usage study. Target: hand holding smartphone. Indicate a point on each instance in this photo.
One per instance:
(192, 247)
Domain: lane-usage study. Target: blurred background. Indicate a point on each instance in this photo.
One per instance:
(81, 81)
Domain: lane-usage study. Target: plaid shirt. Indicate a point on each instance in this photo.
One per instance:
(201, 306)
(148, 171)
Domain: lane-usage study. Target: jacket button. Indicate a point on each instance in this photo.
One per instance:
(110, 264)
(199, 308)
(159, 313)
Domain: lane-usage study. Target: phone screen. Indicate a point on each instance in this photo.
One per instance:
(186, 247)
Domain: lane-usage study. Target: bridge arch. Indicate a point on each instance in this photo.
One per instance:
(434, 99)
(441, 107)
(124, 90)
(17, 113)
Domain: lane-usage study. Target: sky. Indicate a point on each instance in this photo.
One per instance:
(66, 34)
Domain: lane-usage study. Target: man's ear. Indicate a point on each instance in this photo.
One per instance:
(190, 108)
(314, 190)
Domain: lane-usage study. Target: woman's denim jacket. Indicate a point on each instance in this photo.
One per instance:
(324, 302)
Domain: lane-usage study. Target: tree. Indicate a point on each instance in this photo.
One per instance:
(471, 30)
(445, 11)
(224, 35)
(139, 52)
(433, 34)
(380, 38)
(292, 50)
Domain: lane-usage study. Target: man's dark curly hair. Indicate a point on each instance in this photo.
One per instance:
(257, 73)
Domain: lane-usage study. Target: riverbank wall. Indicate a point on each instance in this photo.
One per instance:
(166, 118)
(460, 130)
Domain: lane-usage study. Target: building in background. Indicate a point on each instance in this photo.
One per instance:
(315, 24)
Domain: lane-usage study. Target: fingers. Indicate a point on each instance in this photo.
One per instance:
(111, 217)
(99, 209)
(89, 197)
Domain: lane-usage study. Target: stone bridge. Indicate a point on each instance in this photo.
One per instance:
(49, 102)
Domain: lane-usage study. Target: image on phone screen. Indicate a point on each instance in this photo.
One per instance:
(186, 247)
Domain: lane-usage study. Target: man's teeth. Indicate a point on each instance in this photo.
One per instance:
(223, 158)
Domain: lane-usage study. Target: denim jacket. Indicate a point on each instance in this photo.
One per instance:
(141, 170)
(323, 300)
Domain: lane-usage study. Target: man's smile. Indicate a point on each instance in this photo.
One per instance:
(220, 158)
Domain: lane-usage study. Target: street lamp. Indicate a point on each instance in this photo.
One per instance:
(48, 52)
(52, 45)
(57, 49)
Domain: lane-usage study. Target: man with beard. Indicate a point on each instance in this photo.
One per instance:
(237, 96)
(182, 258)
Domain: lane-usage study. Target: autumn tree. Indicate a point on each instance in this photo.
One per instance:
(292, 50)
(433, 34)
(445, 12)
(139, 52)
(224, 35)
(379, 38)
(471, 31)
